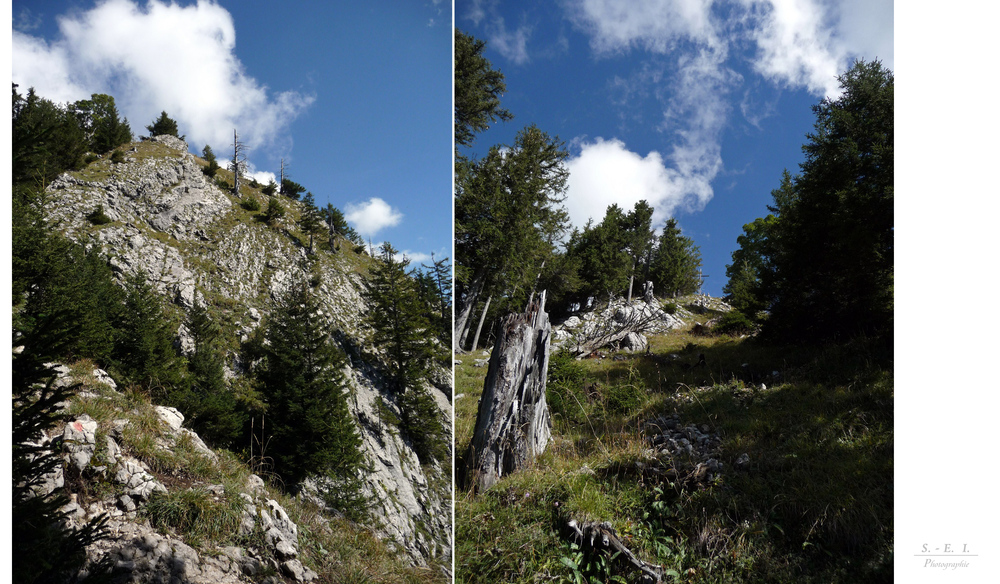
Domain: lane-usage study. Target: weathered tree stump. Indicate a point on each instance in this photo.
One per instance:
(513, 425)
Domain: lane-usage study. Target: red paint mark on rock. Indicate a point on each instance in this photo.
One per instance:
(78, 426)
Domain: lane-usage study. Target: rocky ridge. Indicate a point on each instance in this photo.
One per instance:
(193, 241)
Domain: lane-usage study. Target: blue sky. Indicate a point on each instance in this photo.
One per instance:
(355, 96)
(693, 105)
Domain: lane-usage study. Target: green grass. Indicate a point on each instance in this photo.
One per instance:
(814, 504)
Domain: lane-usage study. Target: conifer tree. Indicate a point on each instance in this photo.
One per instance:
(144, 351)
(211, 409)
(312, 430)
(45, 549)
(213, 164)
(508, 218)
(99, 119)
(399, 319)
(274, 212)
(310, 222)
(478, 88)
(675, 263)
(163, 126)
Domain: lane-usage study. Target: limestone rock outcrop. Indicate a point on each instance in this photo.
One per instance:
(194, 242)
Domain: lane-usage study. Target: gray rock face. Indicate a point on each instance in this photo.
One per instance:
(80, 441)
(194, 243)
(137, 481)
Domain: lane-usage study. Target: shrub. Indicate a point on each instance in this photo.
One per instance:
(223, 184)
(274, 212)
(251, 204)
(117, 157)
(734, 322)
(670, 308)
(91, 158)
(624, 398)
(97, 216)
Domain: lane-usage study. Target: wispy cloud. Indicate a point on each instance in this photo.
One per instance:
(512, 44)
(158, 57)
(372, 216)
(799, 43)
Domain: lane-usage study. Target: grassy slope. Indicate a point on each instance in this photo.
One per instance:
(814, 504)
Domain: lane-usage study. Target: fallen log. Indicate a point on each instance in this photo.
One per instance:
(600, 538)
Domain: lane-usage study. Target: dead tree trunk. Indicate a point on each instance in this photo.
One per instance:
(513, 425)
(479, 327)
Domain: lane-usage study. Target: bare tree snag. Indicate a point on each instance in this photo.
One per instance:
(513, 425)
(479, 327)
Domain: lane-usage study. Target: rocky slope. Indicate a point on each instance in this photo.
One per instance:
(193, 240)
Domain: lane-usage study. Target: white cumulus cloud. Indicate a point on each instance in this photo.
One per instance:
(372, 216)
(159, 57)
(607, 172)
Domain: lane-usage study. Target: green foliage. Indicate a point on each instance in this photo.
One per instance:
(44, 549)
(311, 429)
(310, 221)
(564, 389)
(508, 218)
(734, 322)
(675, 263)
(97, 216)
(434, 286)
(46, 140)
(196, 515)
(291, 189)
(337, 224)
(210, 407)
(144, 346)
(398, 318)
(98, 117)
(270, 188)
(274, 212)
(117, 157)
(250, 204)
(822, 264)
(627, 396)
(213, 164)
(163, 126)
(63, 277)
(478, 88)
(223, 184)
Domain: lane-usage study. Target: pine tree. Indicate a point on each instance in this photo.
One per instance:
(310, 222)
(399, 319)
(674, 269)
(291, 189)
(99, 119)
(163, 126)
(213, 164)
(833, 241)
(508, 219)
(274, 212)
(211, 409)
(478, 88)
(312, 430)
(44, 549)
(144, 349)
